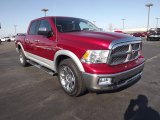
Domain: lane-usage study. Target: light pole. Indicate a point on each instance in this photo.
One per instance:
(149, 6)
(15, 29)
(0, 28)
(123, 22)
(45, 11)
(157, 22)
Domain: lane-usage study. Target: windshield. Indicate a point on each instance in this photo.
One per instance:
(74, 24)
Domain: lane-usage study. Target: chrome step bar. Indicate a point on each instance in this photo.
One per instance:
(50, 72)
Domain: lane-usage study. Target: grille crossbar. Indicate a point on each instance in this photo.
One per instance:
(122, 53)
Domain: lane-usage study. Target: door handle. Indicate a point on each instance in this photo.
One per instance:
(36, 40)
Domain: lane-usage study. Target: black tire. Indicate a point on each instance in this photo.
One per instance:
(73, 78)
(148, 38)
(9, 40)
(22, 58)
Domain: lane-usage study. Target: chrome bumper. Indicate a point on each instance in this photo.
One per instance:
(120, 79)
(154, 36)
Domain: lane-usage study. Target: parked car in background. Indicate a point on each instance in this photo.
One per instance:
(153, 34)
(12, 38)
(139, 34)
(119, 31)
(145, 34)
(3, 39)
(6, 39)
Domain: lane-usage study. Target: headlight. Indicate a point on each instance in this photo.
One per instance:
(95, 56)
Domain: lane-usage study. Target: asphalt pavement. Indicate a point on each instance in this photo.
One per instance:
(27, 93)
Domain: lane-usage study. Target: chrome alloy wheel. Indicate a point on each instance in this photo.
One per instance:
(67, 79)
(21, 58)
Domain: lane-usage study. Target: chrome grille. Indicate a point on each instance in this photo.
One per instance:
(120, 49)
(122, 53)
(118, 59)
(135, 46)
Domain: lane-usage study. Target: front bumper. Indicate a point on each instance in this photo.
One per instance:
(119, 79)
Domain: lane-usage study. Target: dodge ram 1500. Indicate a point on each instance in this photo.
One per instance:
(82, 57)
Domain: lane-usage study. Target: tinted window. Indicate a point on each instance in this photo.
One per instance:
(84, 25)
(45, 24)
(34, 28)
(73, 25)
(158, 29)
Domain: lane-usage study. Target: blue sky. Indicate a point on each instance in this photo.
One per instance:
(104, 12)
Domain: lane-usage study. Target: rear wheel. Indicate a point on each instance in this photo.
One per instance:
(70, 78)
(22, 58)
(148, 38)
(9, 40)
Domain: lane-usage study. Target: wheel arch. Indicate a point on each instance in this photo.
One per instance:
(64, 54)
(20, 46)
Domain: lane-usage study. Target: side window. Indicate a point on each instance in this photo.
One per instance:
(34, 28)
(83, 25)
(87, 26)
(45, 24)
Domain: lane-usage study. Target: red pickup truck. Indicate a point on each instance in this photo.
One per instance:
(83, 57)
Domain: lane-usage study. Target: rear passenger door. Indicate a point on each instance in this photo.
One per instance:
(30, 40)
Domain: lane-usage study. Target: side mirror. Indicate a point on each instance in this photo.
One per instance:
(100, 29)
(44, 31)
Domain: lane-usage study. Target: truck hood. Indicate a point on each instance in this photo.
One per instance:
(91, 39)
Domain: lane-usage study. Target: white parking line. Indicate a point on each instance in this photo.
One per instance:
(152, 43)
(150, 59)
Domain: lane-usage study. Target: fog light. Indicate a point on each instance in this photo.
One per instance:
(105, 81)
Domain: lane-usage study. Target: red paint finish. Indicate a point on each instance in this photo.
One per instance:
(78, 43)
(107, 69)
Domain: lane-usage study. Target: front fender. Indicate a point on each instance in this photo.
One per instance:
(71, 55)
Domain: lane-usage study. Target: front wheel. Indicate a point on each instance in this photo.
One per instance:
(70, 78)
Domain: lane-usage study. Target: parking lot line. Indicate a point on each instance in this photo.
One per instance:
(154, 57)
(151, 43)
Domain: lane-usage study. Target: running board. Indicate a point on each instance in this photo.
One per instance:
(41, 67)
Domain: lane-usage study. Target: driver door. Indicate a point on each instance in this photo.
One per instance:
(45, 45)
